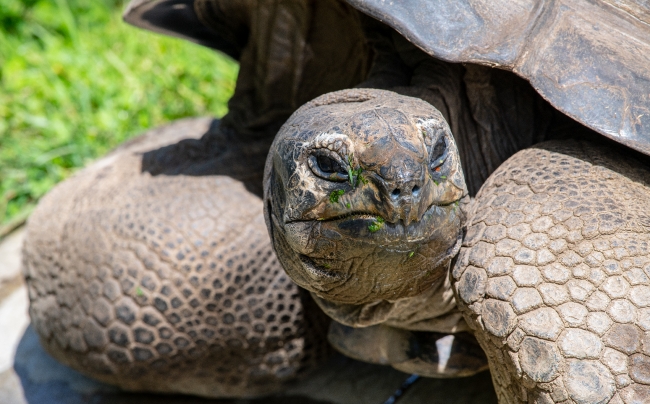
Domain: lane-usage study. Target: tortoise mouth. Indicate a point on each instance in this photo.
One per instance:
(344, 259)
(360, 245)
(319, 271)
(374, 229)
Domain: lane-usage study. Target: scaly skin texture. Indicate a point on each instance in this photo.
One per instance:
(553, 275)
(190, 297)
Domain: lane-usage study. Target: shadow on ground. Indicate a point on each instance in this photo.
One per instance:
(341, 380)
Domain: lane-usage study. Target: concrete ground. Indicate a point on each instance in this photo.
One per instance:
(28, 375)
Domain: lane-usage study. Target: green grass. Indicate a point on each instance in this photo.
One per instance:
(75, 81)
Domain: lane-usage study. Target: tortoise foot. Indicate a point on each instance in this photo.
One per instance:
(429, 354)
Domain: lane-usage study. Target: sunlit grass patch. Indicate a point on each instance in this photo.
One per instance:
(75, 81)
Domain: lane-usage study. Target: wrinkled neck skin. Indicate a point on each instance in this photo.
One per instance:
(363, 195)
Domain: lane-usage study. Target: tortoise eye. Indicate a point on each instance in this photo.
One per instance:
(438, 154)
(326, 165)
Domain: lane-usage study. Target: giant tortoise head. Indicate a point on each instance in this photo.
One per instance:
(362, 196)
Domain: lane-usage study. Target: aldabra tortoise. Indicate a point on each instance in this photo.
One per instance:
(419, 209)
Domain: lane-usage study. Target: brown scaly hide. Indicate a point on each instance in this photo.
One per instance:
(168, 283)
(553, 274)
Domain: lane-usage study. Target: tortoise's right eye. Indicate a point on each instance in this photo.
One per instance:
(328, 165)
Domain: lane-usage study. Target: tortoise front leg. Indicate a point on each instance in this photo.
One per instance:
(553, 275)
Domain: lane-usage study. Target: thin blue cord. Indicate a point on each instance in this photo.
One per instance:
(402, 389)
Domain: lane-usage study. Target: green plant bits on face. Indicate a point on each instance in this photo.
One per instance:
(347, 205)
(354, 175)
(363, 179)
(350, 171)
(411, 254)
(335, 195)
(376, 225)
(139, 292)
(373, 227)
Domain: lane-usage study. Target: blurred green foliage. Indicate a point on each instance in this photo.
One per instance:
(75, 81)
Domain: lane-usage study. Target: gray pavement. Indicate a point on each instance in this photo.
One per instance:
(10, 255)
(28, 375)
(13, 316)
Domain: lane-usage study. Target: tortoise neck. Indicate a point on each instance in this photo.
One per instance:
(291, 57)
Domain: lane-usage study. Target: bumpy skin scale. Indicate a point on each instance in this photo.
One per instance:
(190, 298)
(553, 275)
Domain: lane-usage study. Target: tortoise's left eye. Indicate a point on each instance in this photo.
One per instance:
(438, 154)
(328, 165)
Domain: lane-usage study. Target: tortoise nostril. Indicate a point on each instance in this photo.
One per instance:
(397, 192)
